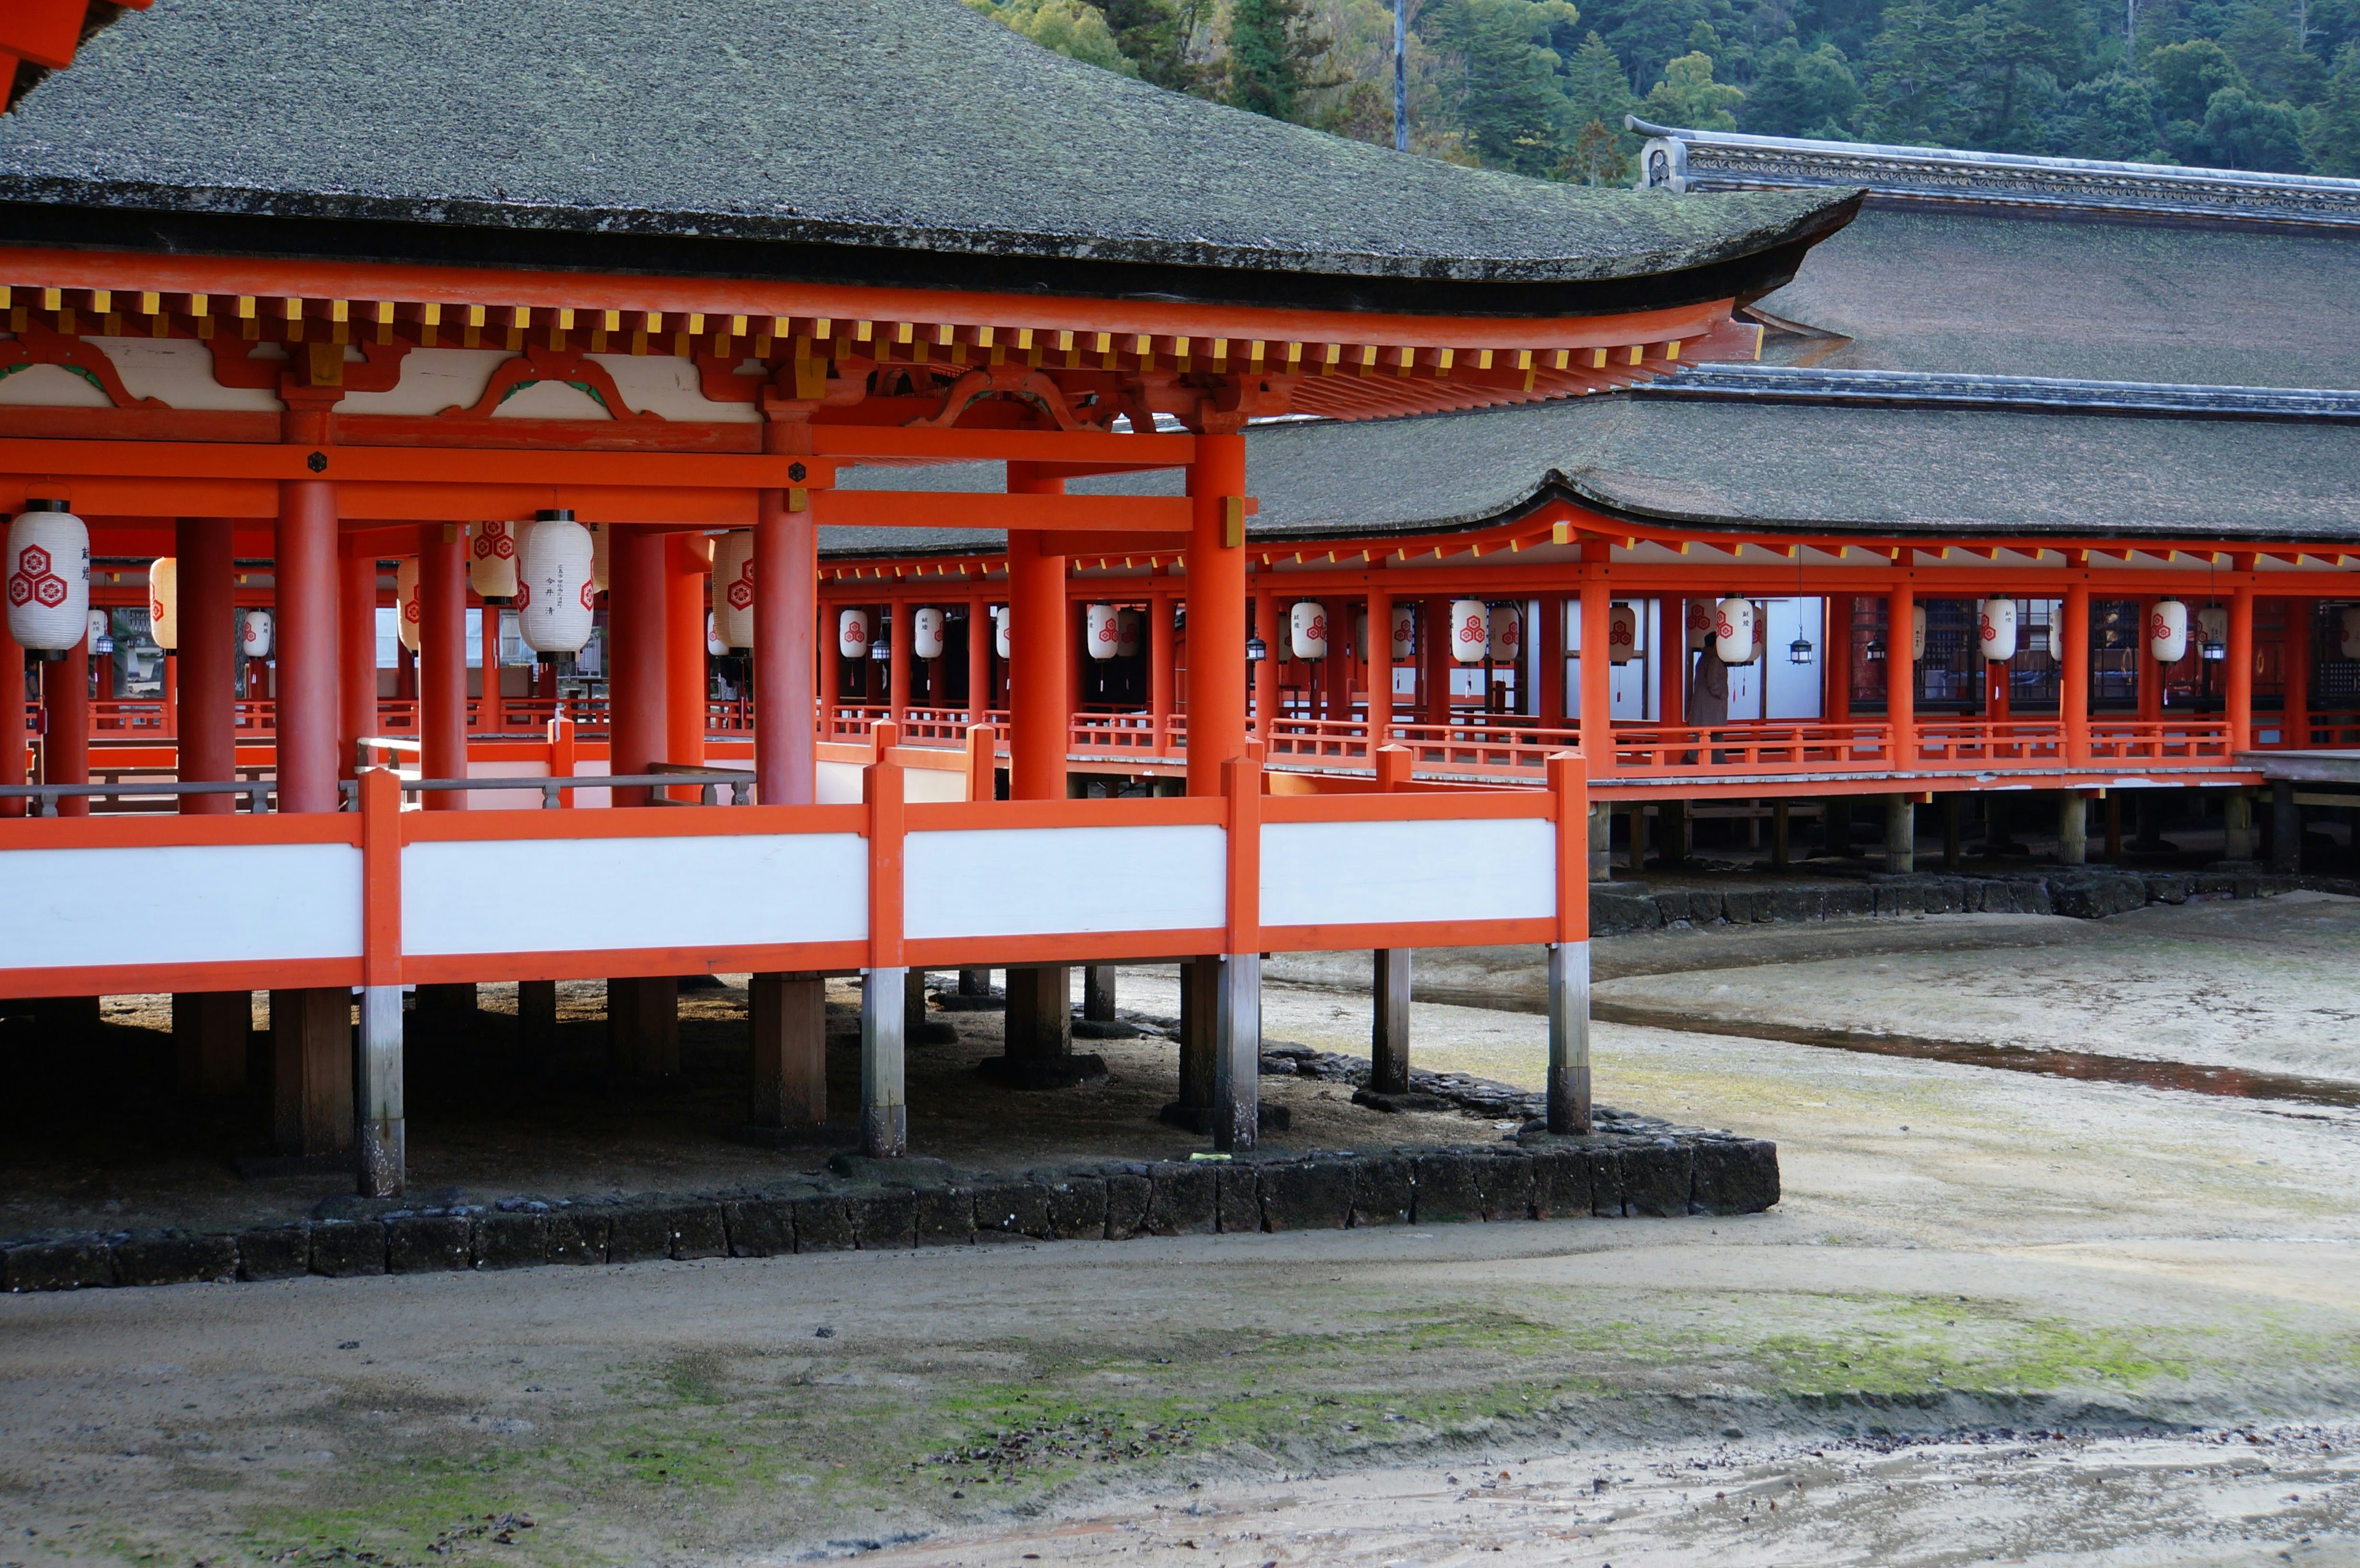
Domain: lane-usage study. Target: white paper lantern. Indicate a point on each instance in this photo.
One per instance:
(999, 629)
(254, 630)
(733, 588)
(1622, 632)
(555, 600)
(601, 536)
(2213, 624)
(1761, 630)
(1471, 630)
(926, 629)
(2166, 631)
(100, 636)
(1507, 639)
(852, 634)
(1700, 624)
(492, 562)
(1917, 633)
(2350, 641)
(1732, 630)
(713, 647)
(48, 579)
(1307, 629)
(1995, 630)
(405, 603)
(1131, 630)
(1405, 631)
(1102, 631)
(164, 603)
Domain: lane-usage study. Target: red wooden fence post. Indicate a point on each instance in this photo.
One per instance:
(1569, 955)
(884, 1107)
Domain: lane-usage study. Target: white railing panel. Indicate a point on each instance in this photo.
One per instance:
(1044, 881)
(1363, 873)
(180, 904)
(559, 895)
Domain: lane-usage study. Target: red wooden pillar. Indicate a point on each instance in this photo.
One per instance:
(487, 715)
(65, 709)
(356, 657)
(2151, 674)
(443, 662)
(1433, 652)
(1039, 654)
(635, 644)
(1379, 656)
(307, 645)
(1337, 675)
(688, 561)
(2294, 728)
(2240, 694)
(1265, 674)
(2072, 645)
(978, 661)
(1549, 714)
(1837, 634)
(1216, 609)
(786, 607)
(11, 719)
(901, 617)
(1901, 676)
(208, 655)
(1156, 643)
(1596, 675)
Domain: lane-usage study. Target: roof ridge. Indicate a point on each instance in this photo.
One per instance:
(2038, 394)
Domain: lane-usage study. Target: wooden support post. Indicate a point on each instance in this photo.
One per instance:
(1380, 661)
(2072, 655)
(2301, 623)
(1098, 992)
(975, 982)
(1671, 662)
(1569, 1106)
(1901, 676)
(1236, 979)
(536, 1024)
(1163, 672)
(2286, 828)
(1549, 712)
(884, 1103)
(2239, 702)
(382, 1133)
(786, 606)
(643, 1027)
(1953, 831)
(442, 663)
(1389, 1032)
(913, 1007)
(65, 716)
(635, 647)
(1216, 609)
(1900, 833)
(788, 1018)
(312, 1047)
(2238, 840)
(2072, 828)
(1040, 1022)
(2114, 827)
(209, 1030)
(208, 655)
(1596, 675)
(831, 667)
(1433, 653)
(306, 595)
(1601, 842)
(1835, 701)
(688, 563)
(1835, 825)
(13, 735)
(978, 662)
(1782, 822)
(1200, 1007)
(1263, 675)
(1336, 669)
(1672, 831)
(1038, 655)
(355, 658)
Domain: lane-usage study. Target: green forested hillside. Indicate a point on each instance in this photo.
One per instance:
(1541, 86)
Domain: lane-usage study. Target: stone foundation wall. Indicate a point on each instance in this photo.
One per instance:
(869, 1205)
(2090, 893)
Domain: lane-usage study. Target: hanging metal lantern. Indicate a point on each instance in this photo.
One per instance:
(101, 632)
(405, 603)
(1405, 631)
(601, 535)
(1700, 624)
(1622, 632)
(492, 562)
(1130, 629)
(852, 634)
(1800, 651)
(1507, 639)
(1732, 630)
(733, 588)
(1100, 631)
(1307, 626)
(49, 580)
(1995, 630)
(926, 626)
(2166, 631)
(555, 602)
(164, 603)
(2213, 632)
(254, 630)
(1471, 630)
(999, 631)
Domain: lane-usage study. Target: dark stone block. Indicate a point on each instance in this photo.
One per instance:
(1850, 898)
(1606, 1182)
(428, 1243)
(2092, 896)
(1611, 911)
(1237, 1197)
(2031, 898)
(1671, 908)
(1181, 1199)
(1313, 1194)
(70, 1264)
(1385, 1189)
(341, 1248)
(1734, 1176)
(274, 1252)
(882, 1218)
(1738, 906)
(1393, 1104)
(697, 1230)
(580, 1235)
(1076, 1208)
(1129, 1197)
(1561, 1183)
(505, 1239)
(823, 1223)
(1655, 1179)
(946, 1216)
(174, 1258)
(637, 1232)
(2164, 888)
(1945, 896)
(1017, 1210)
(759, 1226)
(1504, 1179)
(1796, 903)
(1448, 1190)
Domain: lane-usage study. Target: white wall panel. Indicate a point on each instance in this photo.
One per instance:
(1353, 873)
(1035, 881)
(593, 894)
(179, 904)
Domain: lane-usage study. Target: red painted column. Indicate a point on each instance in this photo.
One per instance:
(2294, 728)
(1217, 610)
(1380, 661)
(442, 662)
(1837, 634)
(786, 611)
(1038, 652)
(1549, 712)
(356, 657)
(978, 661)
(1901, 676)
(2240, 693)
(1434, 647)
(1672, 660)
(12, 718)
(1596, 672)
(2073, 673)
(306, 569)
(688, 561)
(2151, 674)
(1336, 676)
(208, 655)
(487, 715)
(1163, 668)
(65, 703)
(1265, 674)
(901, 617)
(635, 642)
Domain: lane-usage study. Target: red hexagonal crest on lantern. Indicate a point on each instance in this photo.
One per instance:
(35, 561)
(20, 589)
(523, 597)
(741, 594)
(50, 591)
(589, 595)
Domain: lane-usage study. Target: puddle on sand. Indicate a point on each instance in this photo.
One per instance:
(2231, 1083)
